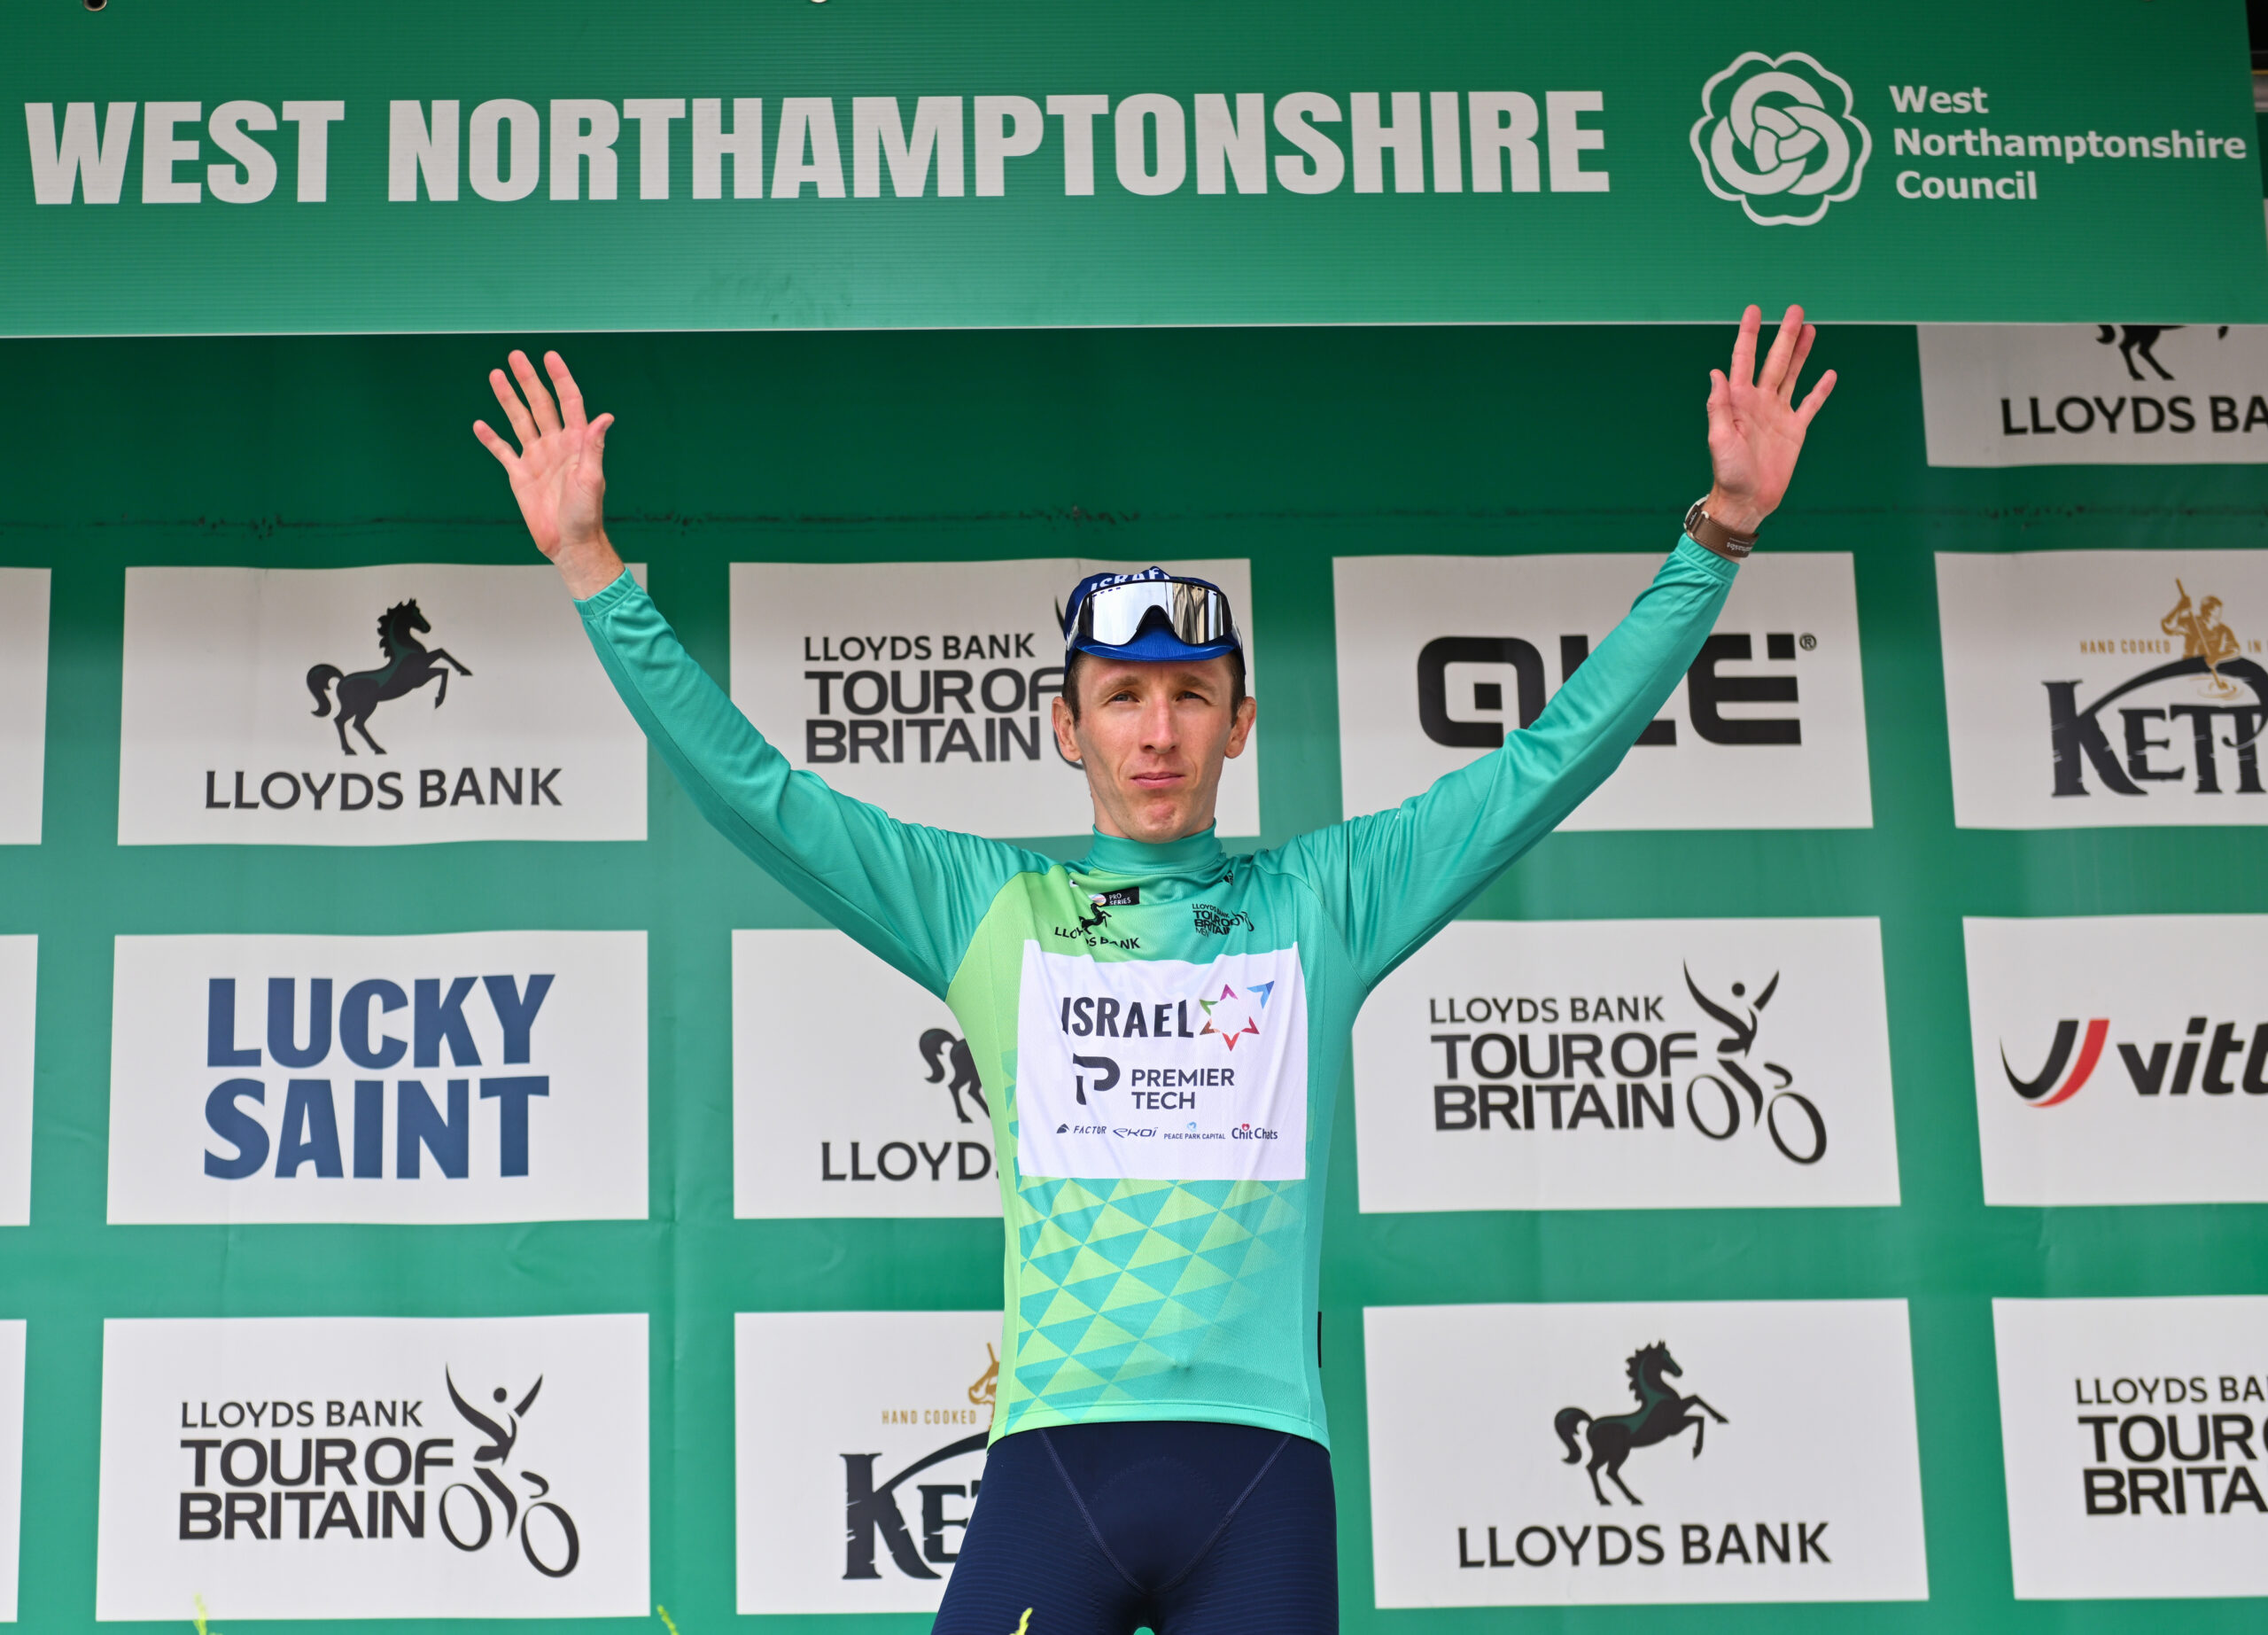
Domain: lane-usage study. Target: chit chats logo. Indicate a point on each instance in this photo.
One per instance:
(1777, 135)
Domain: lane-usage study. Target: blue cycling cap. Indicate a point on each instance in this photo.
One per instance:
(1153, 617)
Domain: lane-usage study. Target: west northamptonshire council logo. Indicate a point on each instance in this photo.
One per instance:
(1777, 137)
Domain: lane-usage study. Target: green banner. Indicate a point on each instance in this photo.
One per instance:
(877, 163)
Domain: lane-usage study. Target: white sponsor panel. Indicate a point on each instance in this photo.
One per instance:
(373, 1467)
(2121, 1059)
(482, 1076)
(860, 1441)
(24, 596)
(2135, 1434)
(2095, 393)
(1439, 657)
(1629, 1064)
(18, 1011)
(853, 1092)
(1162, 1069)
(11, 1460)
(2096, 689)
(927, 687)
(387, 705)
(1658, 1453)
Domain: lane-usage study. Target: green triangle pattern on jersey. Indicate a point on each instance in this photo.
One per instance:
(1120, 1281)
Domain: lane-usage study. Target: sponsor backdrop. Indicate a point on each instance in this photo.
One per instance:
(711, 165)
(439, 1180)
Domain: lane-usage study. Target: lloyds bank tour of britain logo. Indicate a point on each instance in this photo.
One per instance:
(1777, 137)
(267, 1488)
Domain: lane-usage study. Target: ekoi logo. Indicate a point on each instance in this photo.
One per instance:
(1231, 1016)
(2049, 1088)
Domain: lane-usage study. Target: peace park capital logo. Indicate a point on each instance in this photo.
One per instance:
(1777, 137)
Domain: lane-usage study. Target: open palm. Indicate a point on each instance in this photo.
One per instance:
(1756, 426)
(558, 472)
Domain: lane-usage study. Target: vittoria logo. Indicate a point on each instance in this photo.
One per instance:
(1442, 657)
(2121, 1060)
(858, 1499)
(902, 1125)
(219, 742)
(343, 1468)
(1777, 137)
(927, 687)
(2105, 687)
(2095, 393)
(2135, 1434)
(1605, 1064)
(1217, 1048)
(489, 1076)
(1491, 1509)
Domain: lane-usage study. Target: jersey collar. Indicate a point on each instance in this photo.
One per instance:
(1113, 854)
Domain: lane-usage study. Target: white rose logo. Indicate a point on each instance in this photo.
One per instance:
(1777, 134)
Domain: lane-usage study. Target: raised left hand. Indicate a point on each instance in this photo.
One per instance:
(1756, 426)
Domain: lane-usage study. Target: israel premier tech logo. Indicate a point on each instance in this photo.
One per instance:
(373, 1468)
(1777, 137)
(484, 1076)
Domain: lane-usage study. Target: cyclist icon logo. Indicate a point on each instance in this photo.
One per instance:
(1776, 135)
(1765, 1108)
(556, 1556)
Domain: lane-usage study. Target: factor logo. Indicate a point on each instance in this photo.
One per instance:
(409, 664)
(1660, 1414)
(1230, 1017)
(1777, 137)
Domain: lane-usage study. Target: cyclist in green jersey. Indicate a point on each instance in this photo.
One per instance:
(1159, 1437)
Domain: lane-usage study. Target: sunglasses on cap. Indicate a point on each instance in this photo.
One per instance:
(1150, 611)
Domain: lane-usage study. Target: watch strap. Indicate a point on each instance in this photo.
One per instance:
(1706, 532)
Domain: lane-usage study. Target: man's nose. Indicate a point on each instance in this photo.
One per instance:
(1158, 725)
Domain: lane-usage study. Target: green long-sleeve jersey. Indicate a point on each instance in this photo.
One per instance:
(1160, 1030)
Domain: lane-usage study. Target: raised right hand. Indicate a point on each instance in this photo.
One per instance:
(558, 473)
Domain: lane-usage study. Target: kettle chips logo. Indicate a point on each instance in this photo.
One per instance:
(871, 1511)
(1785, 144)
(1716, 1102)
(308, 1131)
(2203, 691)
(218, 1510)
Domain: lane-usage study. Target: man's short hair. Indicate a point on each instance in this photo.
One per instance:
(1072, 655)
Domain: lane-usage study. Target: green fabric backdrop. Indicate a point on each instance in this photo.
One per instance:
(1286, 446)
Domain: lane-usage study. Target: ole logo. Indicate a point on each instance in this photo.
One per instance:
(1776, 135)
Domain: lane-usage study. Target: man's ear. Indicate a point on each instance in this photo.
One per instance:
(1067, 737)
(1240, 730)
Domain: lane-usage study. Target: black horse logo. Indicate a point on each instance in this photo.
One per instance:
(935, 1043)
(1662, 1414)
(408, 666)
(2133, 337)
